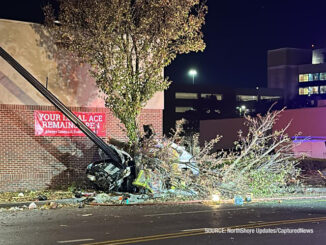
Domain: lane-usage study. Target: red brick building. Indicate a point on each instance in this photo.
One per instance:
(28, 161)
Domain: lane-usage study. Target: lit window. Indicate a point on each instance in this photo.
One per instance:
(313, 90)
(322, 76)
(303, 91)
(310, 77)
(182, 109)
(308, 90)
(316, 76)
(322, 89)
(247, 97)
(303, 78)
(207, 96)
(270, 97)
(187, 96)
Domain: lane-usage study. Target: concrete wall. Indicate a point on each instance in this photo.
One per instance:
(282, 65)
(310, 122)
(228, 128)
(286, 78)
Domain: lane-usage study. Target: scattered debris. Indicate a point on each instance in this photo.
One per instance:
(42, 198)
(104, 198)
(15, 209)
(186, 161)
(53, 205)
(32, 205)
(21, 194)
(86, 215)
(79, 194)
(238, 200)
(248, 197)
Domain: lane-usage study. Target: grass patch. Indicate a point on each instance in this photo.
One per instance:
(29, 196)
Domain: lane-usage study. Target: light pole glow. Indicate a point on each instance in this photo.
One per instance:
(193, 73)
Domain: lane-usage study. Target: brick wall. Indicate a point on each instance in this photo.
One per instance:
(29, 162)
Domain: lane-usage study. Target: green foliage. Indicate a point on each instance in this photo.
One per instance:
(264, 183)
(128, 43)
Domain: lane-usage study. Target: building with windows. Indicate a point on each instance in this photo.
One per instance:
(195, 103)
(301, 73)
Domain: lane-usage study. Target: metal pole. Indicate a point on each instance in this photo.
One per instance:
(61, 107)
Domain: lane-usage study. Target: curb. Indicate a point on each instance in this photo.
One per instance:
(287, 198)
(208, 202)
(148, 203)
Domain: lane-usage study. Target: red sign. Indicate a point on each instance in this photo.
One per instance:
(54, 123)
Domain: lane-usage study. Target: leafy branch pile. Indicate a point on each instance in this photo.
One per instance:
(262, 162)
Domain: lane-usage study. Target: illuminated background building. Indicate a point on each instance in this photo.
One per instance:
(301, 73)
(198, 102)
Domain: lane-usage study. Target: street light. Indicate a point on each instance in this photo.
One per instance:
(193, 73)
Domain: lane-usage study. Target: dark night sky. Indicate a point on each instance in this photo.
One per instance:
(237, 33)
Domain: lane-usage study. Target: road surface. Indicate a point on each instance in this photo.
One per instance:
(289, 222)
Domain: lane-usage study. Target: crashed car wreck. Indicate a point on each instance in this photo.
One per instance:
(106, 175)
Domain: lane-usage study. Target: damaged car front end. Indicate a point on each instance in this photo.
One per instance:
(108, 175)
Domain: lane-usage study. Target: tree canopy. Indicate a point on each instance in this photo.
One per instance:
(128, 43)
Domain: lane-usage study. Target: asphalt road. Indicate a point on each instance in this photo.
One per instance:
(173, 224)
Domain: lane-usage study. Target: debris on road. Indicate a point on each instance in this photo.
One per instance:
(120, 198)
(79, 194)
(53, 205)
(42, 198)
(32, 206)
(186, 161)
(15, 209)
(238, 200)
(86, 215)
(248, 197)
